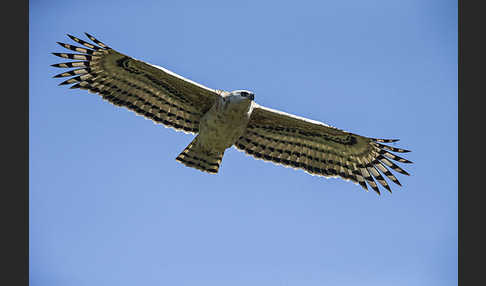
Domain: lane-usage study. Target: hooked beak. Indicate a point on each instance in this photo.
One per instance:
(252, 96)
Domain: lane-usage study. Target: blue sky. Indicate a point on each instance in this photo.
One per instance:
(109, 205)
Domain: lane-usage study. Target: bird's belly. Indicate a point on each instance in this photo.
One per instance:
(219, 131)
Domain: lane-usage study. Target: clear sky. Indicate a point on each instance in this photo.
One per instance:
(109, 205)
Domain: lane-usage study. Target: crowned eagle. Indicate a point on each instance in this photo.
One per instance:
(222, 119)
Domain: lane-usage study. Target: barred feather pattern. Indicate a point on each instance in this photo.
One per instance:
(149, 91)
(321, 150)
(164, 97)
(195, 157)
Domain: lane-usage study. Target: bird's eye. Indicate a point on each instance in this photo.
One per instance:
(244, 93)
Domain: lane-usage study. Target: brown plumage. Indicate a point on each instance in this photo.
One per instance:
(235, 119)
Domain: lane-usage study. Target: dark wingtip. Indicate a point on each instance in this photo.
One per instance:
(401, 150)
(385, 140)
(376, 190)
(396, 181)
(363, 185)
(96, 41)
(66, 82)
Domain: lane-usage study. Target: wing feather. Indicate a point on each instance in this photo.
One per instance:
(148, 90)
(320, 149)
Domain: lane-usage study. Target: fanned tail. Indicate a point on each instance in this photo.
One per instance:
(195, 157)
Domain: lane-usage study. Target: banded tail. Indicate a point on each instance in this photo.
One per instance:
(195, 157)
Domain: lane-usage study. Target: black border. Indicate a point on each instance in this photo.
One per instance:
(471, 125)
(15, 152)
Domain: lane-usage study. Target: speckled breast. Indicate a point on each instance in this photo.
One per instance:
(223, 124)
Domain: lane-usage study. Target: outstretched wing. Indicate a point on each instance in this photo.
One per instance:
(151, 91)
(319, 149)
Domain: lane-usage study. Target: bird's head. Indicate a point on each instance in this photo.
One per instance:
(243, 94)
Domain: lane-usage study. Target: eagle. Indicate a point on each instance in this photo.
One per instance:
(222, 119)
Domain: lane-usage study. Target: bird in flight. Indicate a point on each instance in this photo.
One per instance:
(221, 119)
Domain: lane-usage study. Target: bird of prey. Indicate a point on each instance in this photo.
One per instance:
(223, 119)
